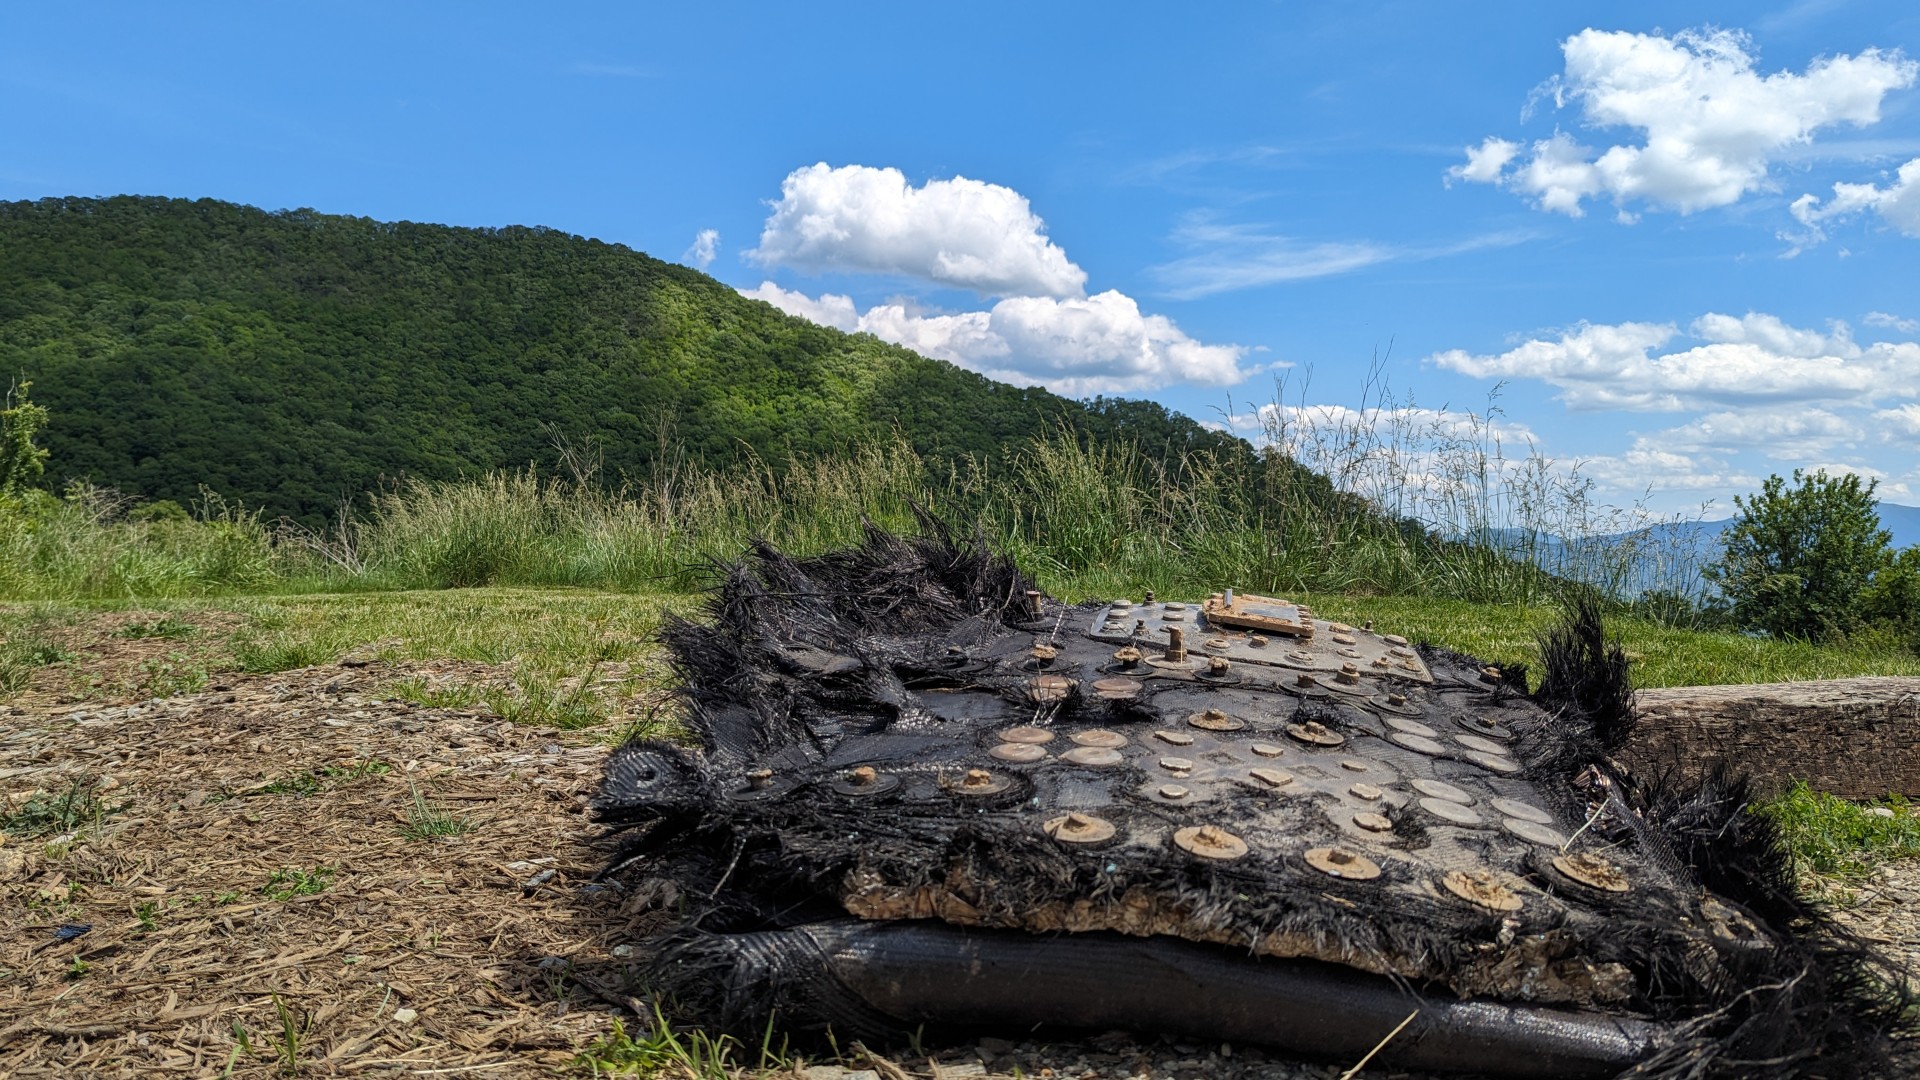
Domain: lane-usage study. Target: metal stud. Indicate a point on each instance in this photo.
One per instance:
(1365, 792)
(1079, 829)
(1099, 737)
(1267, 749)
(1035, 735)
(1514, 808)
(1274, 778)
(1174, 738)
(1341, 863)
(1173, 791)
(1117, 688)
(1485, 746)
(1216, 720)
(1440, 789)
(1590, 869)
(1315, 733)
(1533, 832)
(1448, 810)
(980, 782)
(1098, 757)
(1049, 687)
(1018, 753)
(1209, 842)
(1483, 888)
(1373, 822)
(1419, 744)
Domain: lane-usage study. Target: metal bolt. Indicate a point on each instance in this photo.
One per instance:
(1210, 842)
(1079, 829)
(1176, 644)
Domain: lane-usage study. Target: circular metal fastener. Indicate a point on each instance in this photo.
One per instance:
(1267, 749)
(1117, 688)
(1177, 765)
(1533, 832)
(1593, 871)
(1173, 791)
(1482, 744)
(1018, 753)
(1216, 720)
(1486, 726)
(1354, 765)
(1314, 733)
(1483, 888)
(1394, 639)
(1174, 738)
(1049, 687)
(1274, 778)
(1410, 727)
(1514, 808)
(1035, 735)
(1440, 789)
(980, 782)
(1112, 740)
(865, 781)
(1098, 757)
(1209, 842)
(1079, 829)
(1373, 822)
(1341, 863)
(1419, 744)
(1344, 639)
(1365, 792)
(1494, 763)
(1448, 810)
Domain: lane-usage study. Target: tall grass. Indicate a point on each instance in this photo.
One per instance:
(1361, 504)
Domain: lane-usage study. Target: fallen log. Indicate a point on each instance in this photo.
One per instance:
(1856, 738)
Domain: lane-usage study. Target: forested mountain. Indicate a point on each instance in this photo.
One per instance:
(289, 359)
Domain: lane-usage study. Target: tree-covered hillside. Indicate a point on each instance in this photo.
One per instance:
(290, 359)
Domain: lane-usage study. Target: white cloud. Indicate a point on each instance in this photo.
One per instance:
(1709, 121)
(1898, 204)
(1075, 346)
(961, 233)
(1891, 322)
(706, 244)
(1745, 361)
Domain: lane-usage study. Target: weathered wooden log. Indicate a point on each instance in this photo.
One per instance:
(1857, 738)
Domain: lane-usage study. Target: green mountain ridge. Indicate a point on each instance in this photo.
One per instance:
(292, 359)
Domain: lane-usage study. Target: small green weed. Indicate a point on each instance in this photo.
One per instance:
(1841, 839)
(165, 627)
(291, 882)
(78, 807)
(426, 821)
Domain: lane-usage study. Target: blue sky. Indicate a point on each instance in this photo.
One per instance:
(1646, 251)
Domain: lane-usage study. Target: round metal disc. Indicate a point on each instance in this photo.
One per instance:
(1593, 871)
(1267, 749)
(1174, 738)
(1216, 720)
(979, 782)
(1514, 808)
(1419, 744)
(1373, 822)
(1440, 789)
(858, 788)
(1411, 727)
(1314, 733)
(1448, 810)
(1099, 737)
(1534, 832)
(1178, 765)
(1117, 688)
(1341, 863)
(1483, 888)
(1019, 753)
(1079, 829)
(1034, 735)
(1486, 726)
(1209, 842)
(1093, 756)
(1273, 778)
(1482, 744)
(1493, 762)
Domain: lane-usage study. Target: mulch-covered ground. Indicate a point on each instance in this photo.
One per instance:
(253, 867)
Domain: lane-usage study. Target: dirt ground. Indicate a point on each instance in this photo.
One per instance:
(300, 874)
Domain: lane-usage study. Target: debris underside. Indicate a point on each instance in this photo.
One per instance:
(925, 795)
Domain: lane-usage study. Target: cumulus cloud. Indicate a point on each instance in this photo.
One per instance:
(1709, 121)
(1742, 361)
(1076, 346)
(1898, 204)
(960, 233)
(706, 244)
